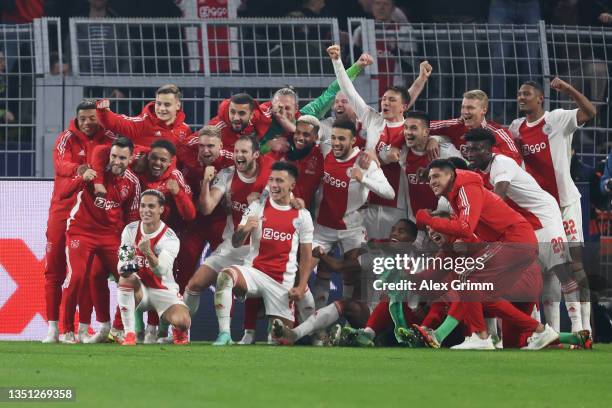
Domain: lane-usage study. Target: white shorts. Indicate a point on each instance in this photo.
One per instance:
(553, 247)
(326, 237)
(572, 223)
(159, 300)
(226, 255)
(379, 219)
(275, 296)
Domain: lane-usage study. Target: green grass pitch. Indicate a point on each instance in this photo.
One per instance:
(200, 375)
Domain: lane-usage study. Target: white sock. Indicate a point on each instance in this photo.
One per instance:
(574, 310)
(320, 292)
(551, 300)
(321, 319)
(53, 326)
(585, 312)
(223, 301)
(492, 325)
(105, 327)
(127, 304)
(249, 336)
(368, 331)
(192, 300)
(305, 306)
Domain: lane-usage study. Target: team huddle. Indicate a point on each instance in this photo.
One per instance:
(272, 193)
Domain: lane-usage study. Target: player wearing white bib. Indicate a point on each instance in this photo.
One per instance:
(384, 133)
(230, 187)
(149, 248)
(276, 231)
(545, 142)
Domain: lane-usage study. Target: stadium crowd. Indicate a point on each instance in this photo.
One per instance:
(273, 192)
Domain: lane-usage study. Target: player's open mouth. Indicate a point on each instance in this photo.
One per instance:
(393, 239)
(299, 143)
(385, 110)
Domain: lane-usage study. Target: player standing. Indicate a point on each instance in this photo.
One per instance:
(72, 149)
(545, 141)
(94, 229)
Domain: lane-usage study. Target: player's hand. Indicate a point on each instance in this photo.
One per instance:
(366, 158)
(279, 144)
(99, 190)
(425, 70)
(297, 203)
(605, 18)
(81, 169)
(145, 246)
(254, 196)
(393, 155)
(209, 174)
(422, 174)
(89, 175)
(139, 164)
(364, 60)
(333, 51)
(432, 148)
(318, 252)
(560, 85)
(103, 104)
(173, 186)
(297, 293)
(252, 223)
(357, 174)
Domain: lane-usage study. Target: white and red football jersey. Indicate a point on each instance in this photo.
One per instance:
(545, 146)
(418, 193)
(236, 188)
(523, 194)
(342, 196)
(391, 136)
(275, 243)
(165, 245)
(454, 131)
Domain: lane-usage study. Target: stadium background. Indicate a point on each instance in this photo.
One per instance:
(211, 54)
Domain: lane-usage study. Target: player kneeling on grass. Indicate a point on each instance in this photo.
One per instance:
(146, 256)
(352, 309)
(276, 230)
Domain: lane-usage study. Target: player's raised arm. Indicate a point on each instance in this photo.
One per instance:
(586, 109)
(127, 126)
(425, 70)
(361, 108)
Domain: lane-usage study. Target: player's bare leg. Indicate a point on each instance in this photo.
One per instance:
(229, 281)
(202, 279)
(178, 317)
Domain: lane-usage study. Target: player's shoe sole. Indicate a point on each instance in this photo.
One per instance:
(408, 337)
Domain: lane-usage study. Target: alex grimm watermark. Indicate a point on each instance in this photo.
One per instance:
(42, 394)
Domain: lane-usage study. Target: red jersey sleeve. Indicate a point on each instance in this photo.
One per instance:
(99, 160)
(507, 146)
(62, 156)
(184, 200)
(69, 189)
(131, 127)
(468, 207)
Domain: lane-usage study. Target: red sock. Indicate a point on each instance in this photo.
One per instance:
(251, 308)
(117, 322)
(380, 318)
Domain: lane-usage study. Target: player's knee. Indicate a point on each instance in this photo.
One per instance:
(194, 285)
(225, 279)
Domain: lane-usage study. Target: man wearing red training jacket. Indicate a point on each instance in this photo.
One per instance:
(72, 149)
